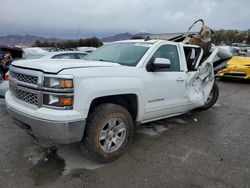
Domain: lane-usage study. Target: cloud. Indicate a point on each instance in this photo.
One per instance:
(64, 18)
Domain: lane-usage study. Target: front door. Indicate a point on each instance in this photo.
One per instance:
(165, 90)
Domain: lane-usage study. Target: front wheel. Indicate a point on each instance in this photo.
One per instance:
(108, 132)
(212, 98)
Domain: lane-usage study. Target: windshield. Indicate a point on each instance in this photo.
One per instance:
(127, 53)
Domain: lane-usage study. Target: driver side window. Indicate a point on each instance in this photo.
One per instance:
(168, 52)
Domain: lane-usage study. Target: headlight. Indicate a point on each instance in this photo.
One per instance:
(60, 101)
(58, 91)
(58, 83)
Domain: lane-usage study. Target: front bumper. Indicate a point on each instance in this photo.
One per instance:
(239, 73)
(47, 132)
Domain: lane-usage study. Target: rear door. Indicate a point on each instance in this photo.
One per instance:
(200, 74)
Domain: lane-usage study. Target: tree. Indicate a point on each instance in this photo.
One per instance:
(89, 42)
(37, 43)
(231, 36)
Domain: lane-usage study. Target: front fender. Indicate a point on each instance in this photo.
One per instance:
(88, 89)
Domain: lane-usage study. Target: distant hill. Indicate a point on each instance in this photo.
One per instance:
(122, 36)
(28, 40)
(23, 40)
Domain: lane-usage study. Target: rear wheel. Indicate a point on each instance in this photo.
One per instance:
(108, 133)
(212, 98)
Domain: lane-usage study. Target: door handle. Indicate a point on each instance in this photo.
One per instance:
(180, 79)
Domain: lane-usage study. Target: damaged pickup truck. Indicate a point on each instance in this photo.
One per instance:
(101, 100)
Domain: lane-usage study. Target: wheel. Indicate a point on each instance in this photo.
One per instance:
(212, 98)
(108, 132)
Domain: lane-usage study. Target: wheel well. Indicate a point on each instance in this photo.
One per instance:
(128, 101)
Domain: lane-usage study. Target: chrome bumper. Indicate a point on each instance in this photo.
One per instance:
(49, 133)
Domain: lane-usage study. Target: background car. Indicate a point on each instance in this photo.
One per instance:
(65, 55)
(237, 67)
(86, 49)
(16, 54)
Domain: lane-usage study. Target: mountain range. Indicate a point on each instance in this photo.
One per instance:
(123, 36)
(23, 40)
(28, 40)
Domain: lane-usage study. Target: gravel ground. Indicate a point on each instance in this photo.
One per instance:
(198, 149)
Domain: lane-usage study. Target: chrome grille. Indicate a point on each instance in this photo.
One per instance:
(25, 96)
(28, 86)
(25, 78)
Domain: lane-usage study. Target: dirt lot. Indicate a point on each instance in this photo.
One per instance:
(199, 149)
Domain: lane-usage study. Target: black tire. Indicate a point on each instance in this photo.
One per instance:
(213, 99)
(97, 120)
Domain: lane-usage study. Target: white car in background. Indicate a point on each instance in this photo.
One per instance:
(65, 55)
(4, 83)
(86, 49)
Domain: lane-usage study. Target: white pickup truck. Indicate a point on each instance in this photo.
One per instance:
(100, 100)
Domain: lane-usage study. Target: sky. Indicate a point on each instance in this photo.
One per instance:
(87, 18)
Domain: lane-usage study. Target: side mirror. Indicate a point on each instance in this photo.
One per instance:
(161, 63)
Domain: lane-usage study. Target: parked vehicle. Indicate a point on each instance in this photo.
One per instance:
(237, 67)
(100, 101)
(16, 53)
(33, 53)
(86, 49)
(65, 55)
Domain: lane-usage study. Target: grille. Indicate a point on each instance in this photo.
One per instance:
(25, 78)
(25, 96)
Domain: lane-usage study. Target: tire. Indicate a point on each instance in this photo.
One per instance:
(116, 125)
(213, 97)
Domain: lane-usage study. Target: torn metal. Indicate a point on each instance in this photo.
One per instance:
(203, 39)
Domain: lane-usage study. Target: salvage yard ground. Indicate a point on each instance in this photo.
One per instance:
(199, 149)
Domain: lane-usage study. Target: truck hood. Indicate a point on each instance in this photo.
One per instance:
(56, 65)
